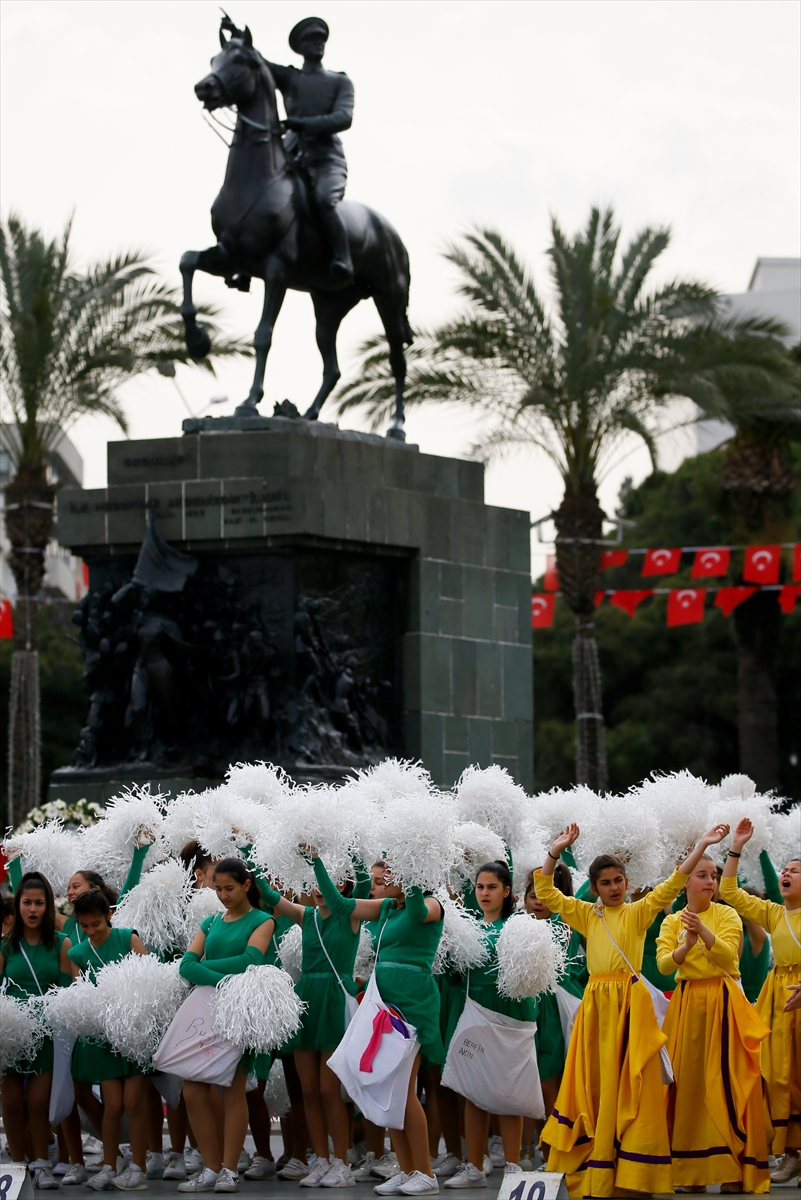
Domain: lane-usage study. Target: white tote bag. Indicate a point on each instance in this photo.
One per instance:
(568, 1006)
(379, 1094)
(191, 1049)
(351, 1003)
(492, 1060)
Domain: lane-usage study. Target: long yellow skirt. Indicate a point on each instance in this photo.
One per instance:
(715, 1110)
(781, 1057)
(608, 1130)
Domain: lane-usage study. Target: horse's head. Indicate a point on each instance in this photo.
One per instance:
(236, 72)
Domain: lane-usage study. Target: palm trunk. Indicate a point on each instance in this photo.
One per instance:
(757, 626)
(579, 525)
(29, 527)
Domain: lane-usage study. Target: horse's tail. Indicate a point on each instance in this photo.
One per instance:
(395, 267)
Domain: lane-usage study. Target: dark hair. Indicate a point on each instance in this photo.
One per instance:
(7, 905)
(562, 879)
(98, 883)
(238, 871)
(501, 872)
(602, 863)
(194, 857)
(93, 901)
(34, 881)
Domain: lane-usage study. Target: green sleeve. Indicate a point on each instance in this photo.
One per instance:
(330, 893)
(569, 857)
(135, 870)
(364, 881)
(469, 898)
(236, 964)
(195, 971)
(269, 897)
(416, 905)
(585, 890)
(15, 873)
(772, 889)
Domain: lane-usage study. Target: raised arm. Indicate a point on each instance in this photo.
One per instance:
(423, 910)
(364, 881)
(274, 900)
(753, 908)
(771, 880)
(144, 840)
(666, 892)
(329, 891)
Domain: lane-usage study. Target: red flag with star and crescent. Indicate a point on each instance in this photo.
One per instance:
(712, 560)
(661, 562)
(685, 606)
(542, 606)
(762, 564)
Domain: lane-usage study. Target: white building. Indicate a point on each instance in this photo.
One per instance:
(774, 291)
(64, 572)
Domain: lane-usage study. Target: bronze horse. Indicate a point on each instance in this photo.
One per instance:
(266, 229)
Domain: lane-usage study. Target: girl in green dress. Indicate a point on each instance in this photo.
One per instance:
(33, 957)
(122, 1084)
(228, 944)
(330, 940)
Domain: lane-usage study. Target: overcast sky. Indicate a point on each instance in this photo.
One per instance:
(684, 112)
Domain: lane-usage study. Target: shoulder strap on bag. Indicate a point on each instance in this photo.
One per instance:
(327, 955)
(614, 943)
(24, 954)
(792, 931)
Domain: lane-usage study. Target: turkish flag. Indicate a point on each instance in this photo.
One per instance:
(661, 562)
(727, 599)
(613, 558)
(628, 600)
(542, 605)
(599, 599)
(710, 561)
(788, 596)
(6, 619)
(797, 561)
(685, 606)
(551, 574)
(762, 564)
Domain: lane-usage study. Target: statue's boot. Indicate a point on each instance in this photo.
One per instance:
(341, 268)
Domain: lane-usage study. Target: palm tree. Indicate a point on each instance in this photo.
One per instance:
(68, 339)
(575, 382)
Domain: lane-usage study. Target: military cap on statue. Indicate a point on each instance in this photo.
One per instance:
(307, 25)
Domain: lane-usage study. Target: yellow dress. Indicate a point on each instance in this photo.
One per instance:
(715, 1112)
(781, 1052)
(608, 1130)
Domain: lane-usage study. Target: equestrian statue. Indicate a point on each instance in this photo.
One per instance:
(281, 216)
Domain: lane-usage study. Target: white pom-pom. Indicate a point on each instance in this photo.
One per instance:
(477, 845)
(204, 903)
(21, 1033)
(621, 826)
(489, 796)
(108, 846)
(737, 787)
(680, 802)
(554, 810)
(51, 849)
(260, 782)
(417, 837)
(462, 945)
(760, 811)
(140, 996)
(316, 818)
(290, 952)
(528, 853)
(785, 839)
(258, 1010)
(393, 779)
(76, 1010)
(276, 1096)
(157, 907)
(532, 956)
(365, 955)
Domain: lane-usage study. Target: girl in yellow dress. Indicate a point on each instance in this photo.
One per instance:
(608, 1130)
(781, 1052)
(715, 1113)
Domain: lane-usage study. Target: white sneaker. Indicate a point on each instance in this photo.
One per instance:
(526, 1162)
(124, 1158)
(488, 1168)
(244, 1161)
(316, 1172)
(296, 1168)
(76, 1174)
(193, 1160)
(204, 1181)
(789, 1167)
(103, 1179)
(91, 1144)
(42, 1175)
(468, 1177)
(495, 1147)
(512, 1169)
(61, 1168)
(419, 1184)
(387, 1166)
(228, 1181)
(338, 1175)
(363, 1171)
(133, 1179)
(155, 1165)
(260, 1168)
(392, 1185)
(174, 1166)
(52, 1152)
(446, 1165)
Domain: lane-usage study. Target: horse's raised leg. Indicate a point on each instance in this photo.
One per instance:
(215, 262)
(396, 327)
(274, 292)
(329, 309)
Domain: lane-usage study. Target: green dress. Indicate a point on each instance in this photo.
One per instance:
(481, 985)
(403, 971)
(755, 968)
(92, 1062)
(549, 1039)
(21, 985)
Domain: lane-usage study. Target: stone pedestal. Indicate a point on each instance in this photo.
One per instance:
(418, 592)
